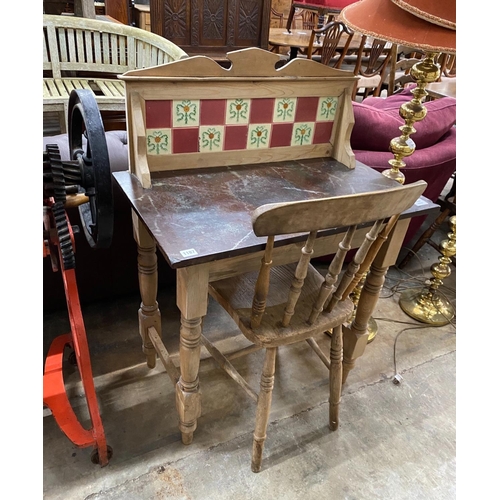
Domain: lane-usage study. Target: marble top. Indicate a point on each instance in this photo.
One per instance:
(202, 215)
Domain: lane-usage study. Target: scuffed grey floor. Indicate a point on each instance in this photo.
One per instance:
(394, 441)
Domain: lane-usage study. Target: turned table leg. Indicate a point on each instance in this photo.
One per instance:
(149, 314)
(192, 300)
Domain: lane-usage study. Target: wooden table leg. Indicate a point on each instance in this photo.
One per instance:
(356, 336)
(149, 314)
(192, 300)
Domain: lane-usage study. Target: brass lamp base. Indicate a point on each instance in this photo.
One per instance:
(372, 330)
(426, 307)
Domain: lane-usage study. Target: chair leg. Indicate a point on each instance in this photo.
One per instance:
(263, 407)
(335, 377)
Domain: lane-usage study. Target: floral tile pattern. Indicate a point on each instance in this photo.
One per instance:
(211, 138)
(159, 141)
(284, 109)
(327, 108)
(302, 134)
(237, 111)
(259, 136)
(214, 125)
(186, 113)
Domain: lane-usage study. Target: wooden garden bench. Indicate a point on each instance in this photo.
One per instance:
(86, 53)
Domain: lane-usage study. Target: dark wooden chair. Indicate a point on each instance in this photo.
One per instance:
(284, 304)
(336, 37)
(277, 18)
(448, 64)
(305, 19)
(372, 66)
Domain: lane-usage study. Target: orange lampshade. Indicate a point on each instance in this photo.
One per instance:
(414, 23)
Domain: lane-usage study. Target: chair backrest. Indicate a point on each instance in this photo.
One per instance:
(312, 216)
(76, 44)
(277, 18)
(372, 65)
(448, 64)
(336, 37)
(305, 19)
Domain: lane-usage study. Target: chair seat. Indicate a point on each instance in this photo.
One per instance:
(236, 294)
(106, 91)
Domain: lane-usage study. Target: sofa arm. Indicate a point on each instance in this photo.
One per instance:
(117, 148)
(434, 164)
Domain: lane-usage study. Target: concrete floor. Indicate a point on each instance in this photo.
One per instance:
(394, 441)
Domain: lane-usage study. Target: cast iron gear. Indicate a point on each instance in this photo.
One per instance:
(56, 173)
(63, 235)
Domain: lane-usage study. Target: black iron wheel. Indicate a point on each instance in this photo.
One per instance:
(84, 118)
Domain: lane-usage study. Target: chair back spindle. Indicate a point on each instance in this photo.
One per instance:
(262, 285)
(310, 217)
(332, 274)
(300, 275)
(353, 266)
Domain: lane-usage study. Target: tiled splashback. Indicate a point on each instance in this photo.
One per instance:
(210, 125)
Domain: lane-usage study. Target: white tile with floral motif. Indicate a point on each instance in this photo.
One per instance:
(159, 141)
(186, 113)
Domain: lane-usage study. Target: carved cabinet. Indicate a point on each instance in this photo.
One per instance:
(212, 27)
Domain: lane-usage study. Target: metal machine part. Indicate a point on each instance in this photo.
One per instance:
(83, 182)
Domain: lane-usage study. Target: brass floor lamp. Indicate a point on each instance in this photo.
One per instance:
(420, 24)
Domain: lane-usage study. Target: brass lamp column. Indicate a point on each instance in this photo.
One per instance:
(423, 72)
(431, 27)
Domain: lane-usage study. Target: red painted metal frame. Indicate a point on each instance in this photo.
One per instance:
(54, 392)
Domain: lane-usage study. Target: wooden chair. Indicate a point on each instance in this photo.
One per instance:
(336, 38)
(400, 64)
(284, 304)
(305, 19)
(277, 18)
(448, 64)
(372, 66)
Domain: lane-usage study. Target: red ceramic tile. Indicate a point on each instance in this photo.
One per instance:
(281, 134)
(158, 114)
(185, 140)
(306, 109)
(235, 137)
(261, 110)
(322, 132)
(212, 111)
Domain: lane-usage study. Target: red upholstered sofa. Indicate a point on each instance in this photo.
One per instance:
(377, 121)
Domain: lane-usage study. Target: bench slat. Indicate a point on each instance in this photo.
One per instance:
(109, 88)
(63, 50)
(105, 48)
(61, 88)
(71, 45)
(80, 45)
(123, 51)
(97, 48)
(89, 55)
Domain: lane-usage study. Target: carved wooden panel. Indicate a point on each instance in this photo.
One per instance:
(212, 27)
